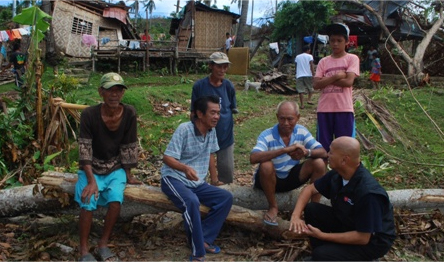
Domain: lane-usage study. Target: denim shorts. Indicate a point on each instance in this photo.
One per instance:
(111, 188)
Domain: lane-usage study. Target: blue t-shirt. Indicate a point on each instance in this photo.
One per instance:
(271, 140)
(192, 149)
(227, 101)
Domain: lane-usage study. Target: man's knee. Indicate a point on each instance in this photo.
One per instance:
(266, 169)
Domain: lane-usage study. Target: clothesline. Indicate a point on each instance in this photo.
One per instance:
(90, 40)
(13, 34)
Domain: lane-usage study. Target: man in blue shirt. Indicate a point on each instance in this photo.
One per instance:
(187, 159)
(359, 224)
(279, 151)
(216, 84)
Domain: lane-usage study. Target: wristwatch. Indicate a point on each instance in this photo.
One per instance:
(309, 153)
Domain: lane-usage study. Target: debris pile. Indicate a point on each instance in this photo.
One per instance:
(275, 82)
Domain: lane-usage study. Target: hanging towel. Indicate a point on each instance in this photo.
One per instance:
(5, 36)
(105, 40)
(3, 51)
(123, 43)
(11, 37)
(323, 39)
(23, 31)
(308, 39)
(89, 40)
(16, 34)
(134, 45)
(353, 41)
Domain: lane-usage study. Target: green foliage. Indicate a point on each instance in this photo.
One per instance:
(63, 85)
(34, 16)
(301, 18)
(46, 162)
(376, 164)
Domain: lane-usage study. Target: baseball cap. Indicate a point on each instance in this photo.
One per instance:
(112, 79)
(338, 29)
(219, 58)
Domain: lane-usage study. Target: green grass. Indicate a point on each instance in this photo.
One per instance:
(417, 161)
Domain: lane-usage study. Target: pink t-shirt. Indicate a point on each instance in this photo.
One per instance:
(335, 98)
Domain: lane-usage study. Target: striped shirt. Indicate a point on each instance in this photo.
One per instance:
(191, 148)
(271, 140)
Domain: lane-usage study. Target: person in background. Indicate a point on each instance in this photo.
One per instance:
(108, 150)
(146, 37)
(187, 159)
(334, 77)
(288, 156)
(304, 75)
(359, 224)
(375, 76)
(228, 42)
(369, 59)
(18, 61)
(216, 84)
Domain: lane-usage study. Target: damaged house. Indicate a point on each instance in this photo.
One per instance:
(79, 25)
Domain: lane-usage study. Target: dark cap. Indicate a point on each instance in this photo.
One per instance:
(338, 29)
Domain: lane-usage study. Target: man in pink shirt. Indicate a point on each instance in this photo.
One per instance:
(334, 77)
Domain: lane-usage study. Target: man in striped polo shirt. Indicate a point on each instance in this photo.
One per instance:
(288, 156)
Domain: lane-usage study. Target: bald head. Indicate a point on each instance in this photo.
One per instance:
(288, 104)
(348, 146)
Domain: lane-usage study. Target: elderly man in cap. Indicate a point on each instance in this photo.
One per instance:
(107, 152)
(216, 84)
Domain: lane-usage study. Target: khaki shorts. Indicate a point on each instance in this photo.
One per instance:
(303, 84)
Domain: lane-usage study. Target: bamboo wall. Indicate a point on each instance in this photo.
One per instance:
(210, 30)
(70, 43)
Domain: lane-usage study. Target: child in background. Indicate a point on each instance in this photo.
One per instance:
(375, 76)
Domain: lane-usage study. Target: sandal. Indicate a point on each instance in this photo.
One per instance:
(310, 103)
(88, 257)
(212, 249)
(269, 220)
(105, 254)
(193, 258)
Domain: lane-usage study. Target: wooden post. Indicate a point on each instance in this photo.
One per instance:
(118, 58)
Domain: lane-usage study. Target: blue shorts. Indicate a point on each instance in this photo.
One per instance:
(111, 189)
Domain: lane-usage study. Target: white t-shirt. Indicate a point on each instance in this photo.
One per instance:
(303, 65)
(228, 43)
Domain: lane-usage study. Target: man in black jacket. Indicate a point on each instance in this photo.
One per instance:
(359, 225)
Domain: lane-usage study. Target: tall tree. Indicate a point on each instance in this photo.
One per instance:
(149, 7)
(243, 6)
(429, 28)
(303, 17)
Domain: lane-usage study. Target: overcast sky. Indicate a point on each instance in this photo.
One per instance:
(164, 8)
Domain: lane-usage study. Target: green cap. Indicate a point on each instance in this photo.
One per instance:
(112, 79)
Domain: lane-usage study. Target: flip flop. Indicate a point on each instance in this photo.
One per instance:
(105, 254)
(271, 221)
(212, 249)
(310, 103)
(88, 257)
(193, 258)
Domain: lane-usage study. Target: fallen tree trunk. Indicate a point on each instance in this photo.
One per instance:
(55, 190)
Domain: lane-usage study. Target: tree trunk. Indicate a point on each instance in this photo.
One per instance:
(415, 64)
(54, 193)
(239, 42)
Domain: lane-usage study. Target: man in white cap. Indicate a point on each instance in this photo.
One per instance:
(216, 84)
(107, 151)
